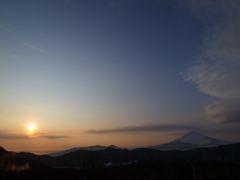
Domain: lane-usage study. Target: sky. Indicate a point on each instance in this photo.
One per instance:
(133, 73)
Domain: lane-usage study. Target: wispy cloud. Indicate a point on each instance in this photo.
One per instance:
(144, 128)
(218, 73)
(218, 70)
(219, 79)
(12, 56)
(30, 46)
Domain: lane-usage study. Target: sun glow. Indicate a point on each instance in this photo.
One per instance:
(31, 127)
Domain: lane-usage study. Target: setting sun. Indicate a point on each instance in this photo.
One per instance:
(31, 127)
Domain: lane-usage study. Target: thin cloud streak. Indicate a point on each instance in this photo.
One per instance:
(144, 128)
(54, 137)
(13, 136)
(30, 46)
(23, 136)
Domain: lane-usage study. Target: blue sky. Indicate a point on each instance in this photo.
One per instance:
(100, 72)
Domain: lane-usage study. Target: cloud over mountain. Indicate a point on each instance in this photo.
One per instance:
(224, 111)
(145, 128)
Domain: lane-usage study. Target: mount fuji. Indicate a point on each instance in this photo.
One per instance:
(191, 140)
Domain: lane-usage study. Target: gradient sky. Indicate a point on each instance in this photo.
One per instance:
(132, 73)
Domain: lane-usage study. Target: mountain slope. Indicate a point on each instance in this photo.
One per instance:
(90, 148)
(10, 161)
(189, 141)
(84, 158)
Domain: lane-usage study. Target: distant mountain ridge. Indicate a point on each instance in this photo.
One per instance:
(201, 150)
(90, 148)
(191, 140)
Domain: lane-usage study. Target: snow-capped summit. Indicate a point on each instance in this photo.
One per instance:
(194, 137)
(189, 141)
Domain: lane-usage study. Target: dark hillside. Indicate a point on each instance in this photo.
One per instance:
(225, 153)
(10, 161)
(136, 171)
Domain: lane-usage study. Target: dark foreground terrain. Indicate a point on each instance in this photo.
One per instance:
(225, 153)
(215, 163)
(135, 171)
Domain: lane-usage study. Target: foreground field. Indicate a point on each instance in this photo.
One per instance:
(136, 171)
